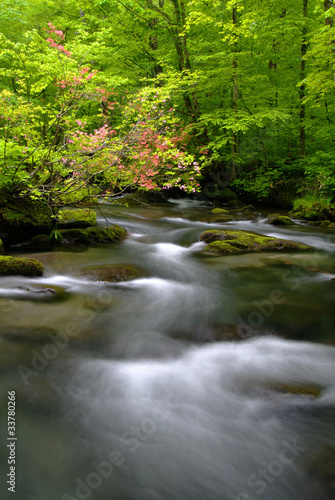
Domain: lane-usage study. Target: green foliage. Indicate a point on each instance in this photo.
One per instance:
(257, 182)
(320, 174)
(313, 207)
(111, 96)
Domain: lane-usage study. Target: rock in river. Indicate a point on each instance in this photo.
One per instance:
(280, 220)
(14, 266)
(233, 242)
(111, 273)
(93, 235)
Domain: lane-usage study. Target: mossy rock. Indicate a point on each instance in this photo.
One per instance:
(321, 223)
(38, 242)
(76, 218)
(93, 235)
(220, 211)
(299, 390)
(280, 220)
(313, 209)
(222, 218)
(14, 266)
(233, 332)
(23, 218)
(1, 247)
(232, 242)
(111, 272)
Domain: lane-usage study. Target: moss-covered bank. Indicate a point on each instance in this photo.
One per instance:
(231, 242)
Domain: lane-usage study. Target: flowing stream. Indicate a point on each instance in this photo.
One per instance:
(132, 390)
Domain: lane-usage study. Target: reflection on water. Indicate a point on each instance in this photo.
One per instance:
(124, 400)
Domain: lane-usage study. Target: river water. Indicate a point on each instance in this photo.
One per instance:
(132, 390)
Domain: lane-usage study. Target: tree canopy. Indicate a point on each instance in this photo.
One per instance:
(107, 95)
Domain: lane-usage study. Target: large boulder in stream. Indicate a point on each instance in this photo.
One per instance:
(233, 242)
(14, 266)
(221, 215)
(280, 220)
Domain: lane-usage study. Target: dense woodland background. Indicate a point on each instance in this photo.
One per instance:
(156, 94)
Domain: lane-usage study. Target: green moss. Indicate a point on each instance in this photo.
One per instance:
(314, 208)
(93, 235)
(280, 220)
(14, 266)
(219, 211)
(76, 218)
(23, 218)
(231, 242)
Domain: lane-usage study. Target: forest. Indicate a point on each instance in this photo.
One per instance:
(224, 98)
(167, 249)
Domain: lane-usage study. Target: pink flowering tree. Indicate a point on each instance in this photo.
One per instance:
(65, 135)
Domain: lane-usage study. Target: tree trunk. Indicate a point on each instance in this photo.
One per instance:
(327, 5)
(302, 95)
(235, 94)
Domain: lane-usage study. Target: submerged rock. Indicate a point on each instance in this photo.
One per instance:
(29, 333)
(280, 220)
(302, 390)
(219, 211)
(43, 292)
(14, 266)
(233, 242)
(76, 218)
(222, 332)
(221, 215)
(320, 466)
(112, 272)
(93, 235)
